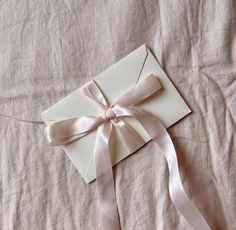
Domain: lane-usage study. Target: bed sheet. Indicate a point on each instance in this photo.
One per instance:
(48, 48)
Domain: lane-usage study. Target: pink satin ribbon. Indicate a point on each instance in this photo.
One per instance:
(66, 131)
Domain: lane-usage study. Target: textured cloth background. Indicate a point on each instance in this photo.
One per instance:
(48, 48)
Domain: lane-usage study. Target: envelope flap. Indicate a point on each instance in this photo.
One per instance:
(122, 75)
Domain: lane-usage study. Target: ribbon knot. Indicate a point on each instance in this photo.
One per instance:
(109, 114)
(66, 131)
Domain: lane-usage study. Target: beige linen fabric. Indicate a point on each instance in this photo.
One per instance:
(49, 48)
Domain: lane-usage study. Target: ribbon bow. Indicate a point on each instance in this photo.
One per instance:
(66, 131)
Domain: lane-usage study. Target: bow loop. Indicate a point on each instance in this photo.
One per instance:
(66, 131)
(139, 92)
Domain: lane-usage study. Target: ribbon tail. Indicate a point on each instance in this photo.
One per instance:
(176, 190)
(162, 139)
(105, 182)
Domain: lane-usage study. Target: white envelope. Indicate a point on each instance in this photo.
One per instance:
(167, 105)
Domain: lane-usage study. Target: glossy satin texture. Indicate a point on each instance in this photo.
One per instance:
(66, 131)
